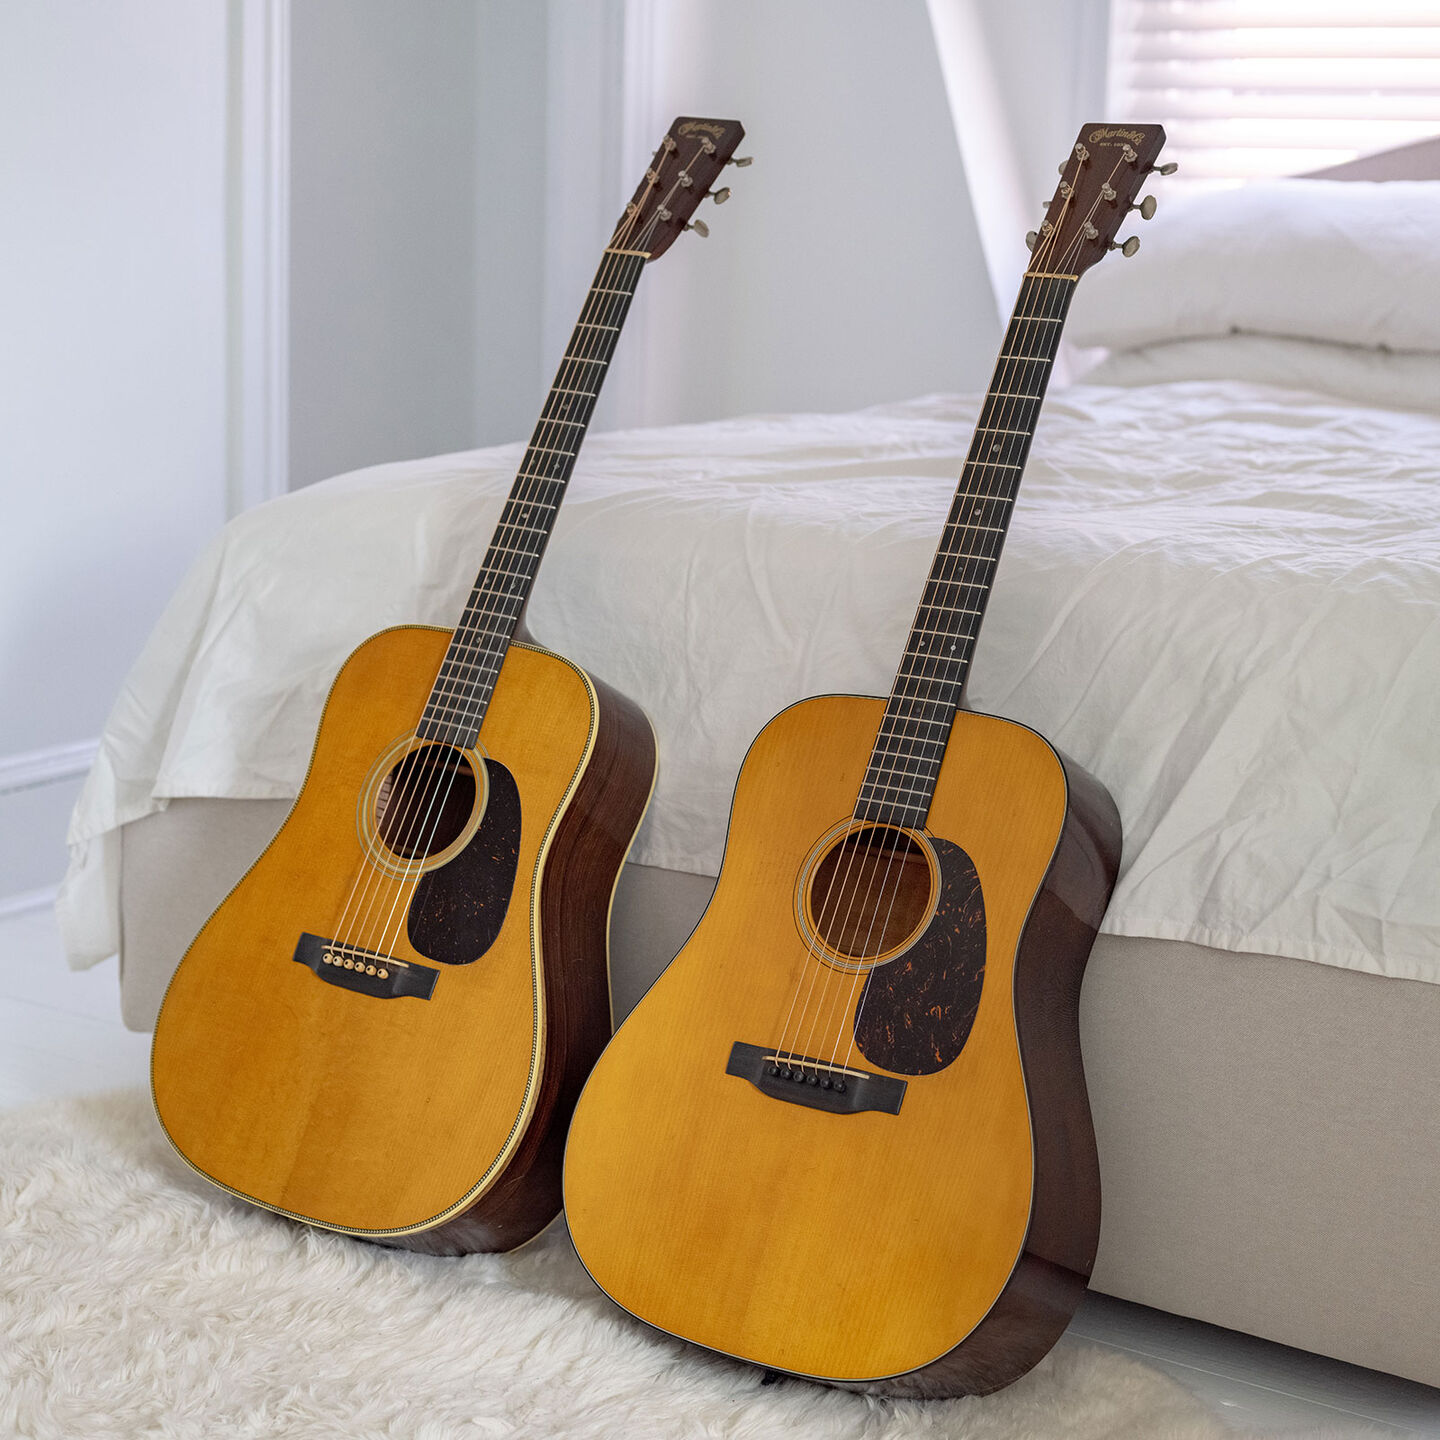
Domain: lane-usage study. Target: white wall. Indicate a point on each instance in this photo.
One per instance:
(846, 268)
(417, 228)
(112, 363)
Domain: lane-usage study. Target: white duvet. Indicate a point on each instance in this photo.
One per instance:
(1220, 597)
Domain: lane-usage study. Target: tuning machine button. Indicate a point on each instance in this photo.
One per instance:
(699, 227)
(1167, 169)
(1146, 208)
(741, 161)
(1128, 248)
(1032, 239)
(721, 195)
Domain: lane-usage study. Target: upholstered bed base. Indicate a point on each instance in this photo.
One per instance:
(1269, 1128)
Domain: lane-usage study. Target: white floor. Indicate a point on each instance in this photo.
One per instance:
(60, 1034)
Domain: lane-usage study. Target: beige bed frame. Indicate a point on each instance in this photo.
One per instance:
(1269, 1128)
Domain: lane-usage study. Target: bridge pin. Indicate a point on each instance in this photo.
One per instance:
(813, 1079)
(369, 969)
(840, 1086)
(382, 972)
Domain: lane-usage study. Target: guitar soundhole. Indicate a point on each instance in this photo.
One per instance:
(871, 892)
(425, 801)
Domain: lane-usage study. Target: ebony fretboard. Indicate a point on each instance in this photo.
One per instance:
(905, 762)
(472, 663)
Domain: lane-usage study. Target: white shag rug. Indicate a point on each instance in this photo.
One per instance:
(136, 1301)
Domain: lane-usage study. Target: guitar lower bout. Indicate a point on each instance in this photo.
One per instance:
(409, 1079)
(875, 1166)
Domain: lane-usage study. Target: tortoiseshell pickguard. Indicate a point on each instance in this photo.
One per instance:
(916, 1011)
(458, 909)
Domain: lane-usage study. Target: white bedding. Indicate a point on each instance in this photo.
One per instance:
(1220, 597)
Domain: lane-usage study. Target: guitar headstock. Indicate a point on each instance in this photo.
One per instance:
(1099, 183)
(687, 164)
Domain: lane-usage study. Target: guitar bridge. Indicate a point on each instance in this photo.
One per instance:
(820, 1084)
(367, 972)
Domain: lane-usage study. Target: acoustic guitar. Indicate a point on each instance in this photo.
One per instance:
(845, 1134)
(383, 1028)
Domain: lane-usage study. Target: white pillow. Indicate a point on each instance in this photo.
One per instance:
(1404, 381)
(1352, 261)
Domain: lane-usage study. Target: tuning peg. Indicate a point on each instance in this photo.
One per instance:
(1146, 208)
(1128, 248)
(1032, 239)
(721, 195)
(703, 230)
(1168, 169)
(741, 161)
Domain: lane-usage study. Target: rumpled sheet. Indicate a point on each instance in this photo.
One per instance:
(1220, 597)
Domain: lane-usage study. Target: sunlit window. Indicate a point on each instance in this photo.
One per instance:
(1249, 88)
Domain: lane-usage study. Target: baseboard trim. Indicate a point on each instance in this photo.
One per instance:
(28, 900)
(27, 769)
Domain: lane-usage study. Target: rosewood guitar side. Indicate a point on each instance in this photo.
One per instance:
(1050, 1278)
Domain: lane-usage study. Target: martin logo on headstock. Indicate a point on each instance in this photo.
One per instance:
(1098, 187)
(686, 165)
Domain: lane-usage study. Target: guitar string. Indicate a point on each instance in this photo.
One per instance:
(966, 566)
(1055, 294)
(471, 650)
(909, 686)
(524, 497)
(548, 429)
(617, 313)
(844, 882)
(469, 632)
(519, 563)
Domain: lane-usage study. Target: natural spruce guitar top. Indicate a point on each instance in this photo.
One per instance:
(384, 1026)
(845, 1134)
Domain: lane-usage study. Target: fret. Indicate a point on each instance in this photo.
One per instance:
(587, 360)
(957, 585)
(947, 705)
(559, 390)
(1034, 359)
(985, 509)
(994, 430)
(516, 525)
(543, 450)
(944, 634)
(591, 325)
(907, 795)
(907, 742)
(454, 706)
(556, 420)
(498, 549)
(902, 763)
(971, 525)
(1010, 395)
(991, 465)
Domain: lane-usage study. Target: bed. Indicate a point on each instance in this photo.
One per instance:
(1220, 594)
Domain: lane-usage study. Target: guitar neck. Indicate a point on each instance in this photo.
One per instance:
(466, 680)
(900, 778)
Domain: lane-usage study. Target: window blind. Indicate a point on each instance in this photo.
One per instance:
(1249, 88)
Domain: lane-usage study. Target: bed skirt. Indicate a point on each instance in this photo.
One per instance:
(1269, 1128)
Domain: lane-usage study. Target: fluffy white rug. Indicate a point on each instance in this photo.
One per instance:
(137, 1301)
